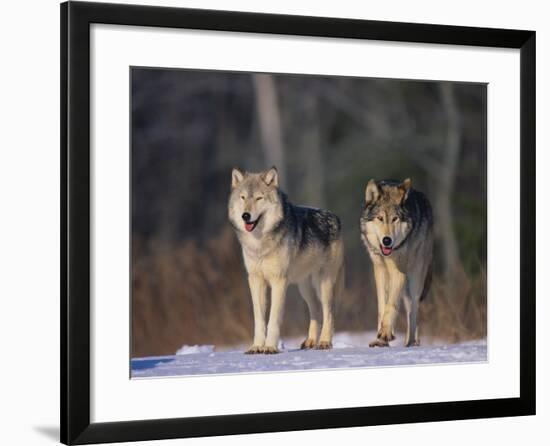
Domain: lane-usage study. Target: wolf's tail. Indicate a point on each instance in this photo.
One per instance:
(427, 283)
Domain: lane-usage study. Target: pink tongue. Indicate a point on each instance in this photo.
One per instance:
(387, 251)
(249, 226)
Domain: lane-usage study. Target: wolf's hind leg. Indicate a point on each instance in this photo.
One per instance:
(415, 286)
(411, 307)
(308, 293)
(326, 293)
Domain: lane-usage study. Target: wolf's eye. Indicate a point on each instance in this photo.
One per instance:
(242, 197)
(259, 198)
(394, 219)
(380, 218)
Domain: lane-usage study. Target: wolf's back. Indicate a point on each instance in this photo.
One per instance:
(315, 226)
(420, 209)
(421, 213)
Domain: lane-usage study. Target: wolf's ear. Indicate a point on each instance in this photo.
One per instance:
(405, 187)
(372, 192)
(271, 177)
(236, 177)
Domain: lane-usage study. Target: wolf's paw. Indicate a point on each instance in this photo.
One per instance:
(379, 343)
(308, 343)
(255, 349)
(413, 344)
(324, 345)
(270, 350)
(385, 334)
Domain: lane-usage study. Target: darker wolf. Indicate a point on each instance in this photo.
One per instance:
(397, 230)
(282, 244)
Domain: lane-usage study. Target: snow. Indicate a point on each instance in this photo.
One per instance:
(194, 349)
(350, 350)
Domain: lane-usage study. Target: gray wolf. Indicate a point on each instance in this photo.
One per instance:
(284, 244)
(397, 230)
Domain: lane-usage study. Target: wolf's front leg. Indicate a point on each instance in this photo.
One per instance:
(258, 288)
(278, 294)
(380, 280)
(395, 283)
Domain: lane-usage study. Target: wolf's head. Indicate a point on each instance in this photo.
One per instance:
(255, 202)
(385, 221)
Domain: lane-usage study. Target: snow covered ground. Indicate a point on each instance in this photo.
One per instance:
(350, 350)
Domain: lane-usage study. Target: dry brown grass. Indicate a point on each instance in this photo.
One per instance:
(188, 295)
(198, 294)
(456, 310)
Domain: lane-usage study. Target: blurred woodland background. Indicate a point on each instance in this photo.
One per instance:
(327, 136)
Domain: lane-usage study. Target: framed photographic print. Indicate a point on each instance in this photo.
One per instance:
(278, 222)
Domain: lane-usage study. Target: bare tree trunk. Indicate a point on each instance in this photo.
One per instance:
(270, 123)
(443, 201)
(314, 174)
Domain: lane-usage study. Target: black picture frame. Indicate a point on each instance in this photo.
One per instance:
(76, 18)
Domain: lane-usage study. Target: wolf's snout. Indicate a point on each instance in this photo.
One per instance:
(387, 246)
(246, 217)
